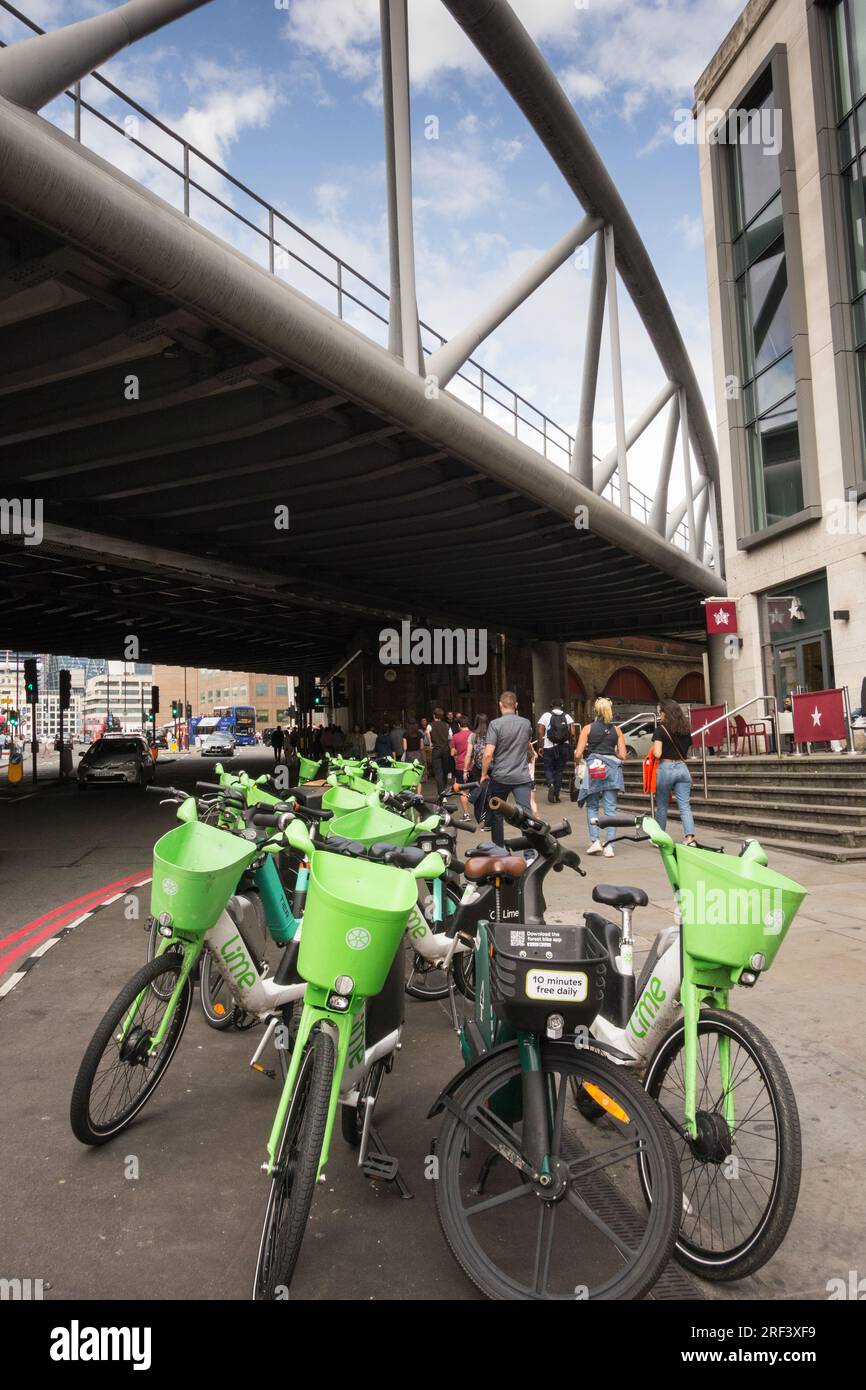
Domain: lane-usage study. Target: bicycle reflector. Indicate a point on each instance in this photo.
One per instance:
(604, 1100)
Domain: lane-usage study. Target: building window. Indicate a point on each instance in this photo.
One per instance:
(849, 63)
(281, 690)
(764, 315)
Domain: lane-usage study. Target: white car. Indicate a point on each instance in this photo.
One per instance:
(217, 744)
(639, 738)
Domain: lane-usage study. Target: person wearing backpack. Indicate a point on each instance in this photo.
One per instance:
(555, 728)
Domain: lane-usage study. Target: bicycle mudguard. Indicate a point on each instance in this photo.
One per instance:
(439, 1104)
(343, 1024)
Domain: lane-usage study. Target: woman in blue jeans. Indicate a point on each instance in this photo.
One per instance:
(672, 740)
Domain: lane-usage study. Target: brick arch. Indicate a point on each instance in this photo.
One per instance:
(690, 689)
(629, 684)
(576, 687)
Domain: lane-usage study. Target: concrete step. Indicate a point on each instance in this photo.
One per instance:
(837, 837)
(772, 796)
(784, 773)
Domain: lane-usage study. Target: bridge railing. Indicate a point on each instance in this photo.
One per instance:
(270, 237)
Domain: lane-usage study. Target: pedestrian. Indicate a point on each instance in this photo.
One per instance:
(383, 750)
(339, 739)
(475, 752)
(277, 743)
(672, 740)
(317, 744)
(424, 730)
(555, 733)
(398, 741)
(533, 759)
(602, 745)
(369, 740)
(459, 747)
(440, 739)
(356, 742)
(506, 760)
(413, 742)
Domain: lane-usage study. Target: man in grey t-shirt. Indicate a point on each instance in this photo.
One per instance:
(506, 760)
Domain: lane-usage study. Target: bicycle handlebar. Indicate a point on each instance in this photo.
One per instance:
(617, 822)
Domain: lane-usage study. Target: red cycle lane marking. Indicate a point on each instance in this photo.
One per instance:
(95, 894)
(53, 927)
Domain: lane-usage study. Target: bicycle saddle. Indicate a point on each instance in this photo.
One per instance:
(613, 895)
(495, 866)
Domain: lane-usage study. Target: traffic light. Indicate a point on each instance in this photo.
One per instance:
(13, 718)
(339, 689)
(65, 688)
(189, 713)
(318, 697)
(154, 699)
(31, 680)
(175, 709)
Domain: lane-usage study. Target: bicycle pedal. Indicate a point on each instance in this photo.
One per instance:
(381, 1167)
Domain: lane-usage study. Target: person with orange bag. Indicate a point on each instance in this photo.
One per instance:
(672, 739)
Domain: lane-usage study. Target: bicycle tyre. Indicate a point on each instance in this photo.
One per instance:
(752, 1252)
(84, 1126)
(293, 1182)
(427, 969)
(453, 1146)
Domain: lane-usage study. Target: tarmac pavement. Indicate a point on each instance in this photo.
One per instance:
(173, 1208)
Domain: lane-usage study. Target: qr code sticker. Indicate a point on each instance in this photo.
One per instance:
(517, 938)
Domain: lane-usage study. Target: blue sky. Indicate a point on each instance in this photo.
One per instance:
(288, 100)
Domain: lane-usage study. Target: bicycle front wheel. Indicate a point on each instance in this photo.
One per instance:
(293, 1182)
(740, 1185)
(587, 1233)
(118, 1074)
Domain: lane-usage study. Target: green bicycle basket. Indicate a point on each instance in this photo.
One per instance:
(413, 773)
(355, 916)
(370, 824)
(195, 871)
(391, 778)
(307, 768)
(733, 909)
(342, 799)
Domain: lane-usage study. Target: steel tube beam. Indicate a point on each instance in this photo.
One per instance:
(35, 71)
(687, 473)
(659, 514)
(398, 168)
(609, 464)
(48, 179)
(506, 47)
(680, 510)
(616, 370)
(581, 459)
(452, 355)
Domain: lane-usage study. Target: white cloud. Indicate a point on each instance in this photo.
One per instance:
(691, 230)
(581, 85)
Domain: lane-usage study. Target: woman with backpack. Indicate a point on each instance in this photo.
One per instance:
(602, 744)
(672, 739)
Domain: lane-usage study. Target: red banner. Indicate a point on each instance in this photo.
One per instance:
(819, 716)
(721, 615)
(699, 715)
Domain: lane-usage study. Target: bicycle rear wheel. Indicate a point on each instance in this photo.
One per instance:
(589, 1234)
(739, 1190)
(117, 1075)
(293, 1182)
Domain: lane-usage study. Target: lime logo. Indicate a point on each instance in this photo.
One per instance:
(773, 923)
(169, 887)
(358, 938)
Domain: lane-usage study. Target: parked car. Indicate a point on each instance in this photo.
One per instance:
(217, 744)
(117, 758)
(638, 739)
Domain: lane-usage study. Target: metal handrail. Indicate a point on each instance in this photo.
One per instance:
(641, 503)
(726, 717)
